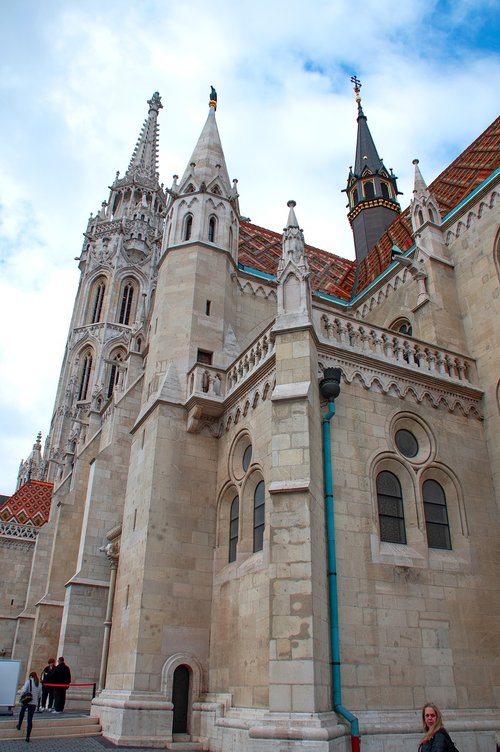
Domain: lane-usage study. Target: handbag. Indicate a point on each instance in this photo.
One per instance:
(26, 697)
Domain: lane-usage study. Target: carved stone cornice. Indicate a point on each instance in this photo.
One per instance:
(399, 382)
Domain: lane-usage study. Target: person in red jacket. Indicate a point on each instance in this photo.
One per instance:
(61, 676)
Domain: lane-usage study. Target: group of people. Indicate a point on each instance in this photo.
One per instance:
(48, 692)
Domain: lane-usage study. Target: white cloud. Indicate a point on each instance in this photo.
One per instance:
(74, 81)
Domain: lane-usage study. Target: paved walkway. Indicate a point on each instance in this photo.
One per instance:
(52, 744)
(88, 744)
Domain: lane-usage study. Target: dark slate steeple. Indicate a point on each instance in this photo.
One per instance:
(371, 189)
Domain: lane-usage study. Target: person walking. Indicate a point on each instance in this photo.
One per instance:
(435, 738)
(47, 692)
(33, 686)
(61, 676)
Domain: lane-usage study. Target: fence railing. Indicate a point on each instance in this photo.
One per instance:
(397, 348)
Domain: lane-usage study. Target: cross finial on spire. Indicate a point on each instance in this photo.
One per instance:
(357, 88)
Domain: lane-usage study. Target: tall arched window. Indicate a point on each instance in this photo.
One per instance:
(96, 310)
(126, 303)
(85, 372)
(385, 189)
(436, 515)
(259, 509)
(212, 223)
(390, 508)
(188, 226)
(114, 374)
(234, 519)
(369, 190)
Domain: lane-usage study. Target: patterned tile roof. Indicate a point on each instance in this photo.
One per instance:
(260, 249)
(29, 505)
(454, 184)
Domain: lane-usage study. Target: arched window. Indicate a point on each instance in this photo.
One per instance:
(369, 190)
(211, 229)
(420, 215)
(126, 303)
(403, 326)
(99, 291)
(390, 508)
(114, 374)
(259, 509)
(85, 372)
(385, 190)
(355, 197)
(230, 238)
(436, 515)
(188, 226)
(432, 216)
(234, 519)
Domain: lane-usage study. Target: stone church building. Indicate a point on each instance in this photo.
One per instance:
(275, 517)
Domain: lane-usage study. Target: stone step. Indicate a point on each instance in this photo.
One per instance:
(59, 728)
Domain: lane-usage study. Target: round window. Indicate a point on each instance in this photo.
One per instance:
(406, 443)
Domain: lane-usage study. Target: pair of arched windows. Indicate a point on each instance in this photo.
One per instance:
(211, 232)
(391, 511)
(125, 305)
(259, 510)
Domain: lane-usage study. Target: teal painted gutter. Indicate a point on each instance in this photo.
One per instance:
(332, 581)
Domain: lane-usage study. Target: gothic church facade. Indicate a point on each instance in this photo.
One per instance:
(275, 520)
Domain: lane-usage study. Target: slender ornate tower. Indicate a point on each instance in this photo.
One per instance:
(118, 272)
(371, 189)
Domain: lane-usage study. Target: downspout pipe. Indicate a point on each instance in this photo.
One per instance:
(330, 389)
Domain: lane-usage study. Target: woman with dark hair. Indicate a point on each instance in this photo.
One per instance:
(33, 686)
(47, 692)
(435, 738)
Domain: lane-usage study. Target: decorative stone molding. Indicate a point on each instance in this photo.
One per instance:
(459, 226)
(437, 394)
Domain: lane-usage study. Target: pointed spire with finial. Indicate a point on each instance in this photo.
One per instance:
(294, 306)
(371, 188)
(144, 160)
(424, 206)
(293, 239)
(207, 163)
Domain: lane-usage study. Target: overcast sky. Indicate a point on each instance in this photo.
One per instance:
(75, 79)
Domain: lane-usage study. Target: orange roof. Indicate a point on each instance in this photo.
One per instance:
(454, 184)
(260, 249)
(29, 505)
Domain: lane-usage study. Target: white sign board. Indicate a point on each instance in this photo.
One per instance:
(9, 677)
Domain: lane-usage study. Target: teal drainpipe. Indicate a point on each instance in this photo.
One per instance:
(330, 388)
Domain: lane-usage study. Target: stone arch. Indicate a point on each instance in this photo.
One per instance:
(180, 659)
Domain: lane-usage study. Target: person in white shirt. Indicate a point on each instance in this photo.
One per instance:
(34, 686)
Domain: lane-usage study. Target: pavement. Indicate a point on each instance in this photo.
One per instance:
(52, 744)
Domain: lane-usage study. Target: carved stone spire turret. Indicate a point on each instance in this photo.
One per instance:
(33, 468)
(144, 162)
(204, 204)
(371, 189)
(426, 218)
(294, 291)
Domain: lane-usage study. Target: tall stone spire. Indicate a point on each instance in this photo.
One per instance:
(207, 163)
(371, 188)
(204, 205)
(294, 290)
(144, 160)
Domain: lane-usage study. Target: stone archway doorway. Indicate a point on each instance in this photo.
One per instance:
(180, 700)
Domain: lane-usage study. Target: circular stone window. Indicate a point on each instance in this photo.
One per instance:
(240, 456)
(412, 438)
(406, 442)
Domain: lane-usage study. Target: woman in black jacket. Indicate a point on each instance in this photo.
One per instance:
(436, 738)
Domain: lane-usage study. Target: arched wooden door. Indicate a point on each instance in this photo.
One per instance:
(180, 700)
